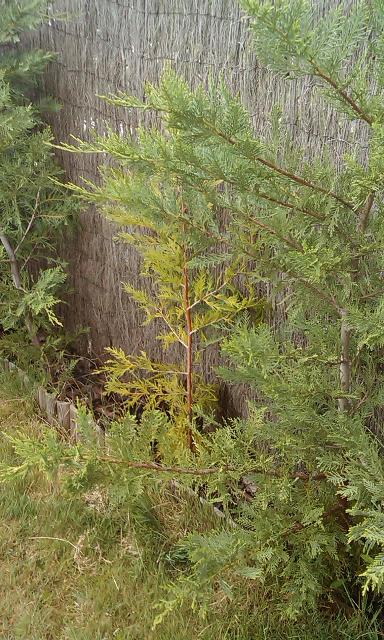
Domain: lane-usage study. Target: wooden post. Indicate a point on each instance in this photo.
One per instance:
(41, 398)
(63, 409)
(73, 428)
(50, 407)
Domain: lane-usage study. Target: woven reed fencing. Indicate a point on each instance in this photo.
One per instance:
(117, 45)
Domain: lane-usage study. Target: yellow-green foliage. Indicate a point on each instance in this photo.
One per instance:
(193, 297)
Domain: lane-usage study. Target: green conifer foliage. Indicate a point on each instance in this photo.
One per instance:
(32, 208)
(178, 232)
(301, 477)
(317, 233)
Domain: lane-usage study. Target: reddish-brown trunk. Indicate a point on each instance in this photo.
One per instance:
(189, 352)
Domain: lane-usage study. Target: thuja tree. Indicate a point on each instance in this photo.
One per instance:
(32, 208)
(302, 475)
(181, 238)
(314, 232)
(316, 514)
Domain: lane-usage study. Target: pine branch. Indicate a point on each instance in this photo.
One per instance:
(303, 182)
(288, 205)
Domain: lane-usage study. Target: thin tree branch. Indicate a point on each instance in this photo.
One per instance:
(303, 182)
(189, 351)
(172, 330)
(15, 273)
(288, 205)
(30, 223)
(345, 362)
(277, 169)
(155, 466)
(212, 322)
(342, 93)
(281, 203)
(374, 294)
(208, 295)
(288, 241)
(364, 213)
(324, 76)
(330, 299)
(291, 243)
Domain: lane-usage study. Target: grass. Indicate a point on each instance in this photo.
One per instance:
(74, 568)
